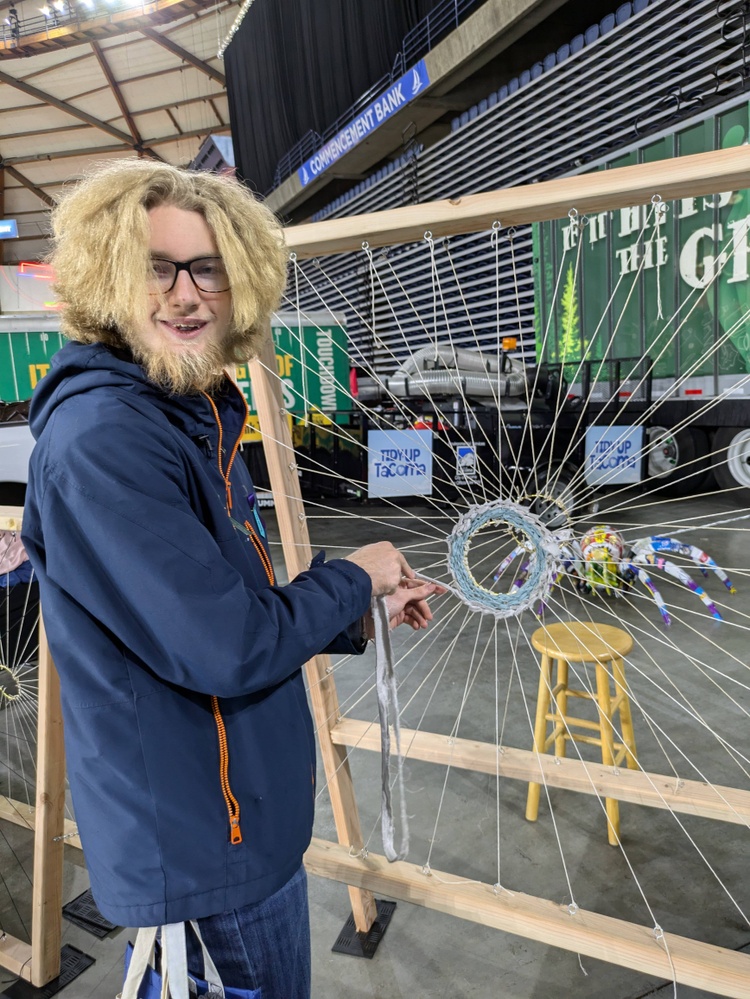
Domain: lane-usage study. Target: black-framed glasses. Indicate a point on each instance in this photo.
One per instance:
(208, 273)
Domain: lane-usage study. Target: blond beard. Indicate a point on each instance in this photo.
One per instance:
(187, 372)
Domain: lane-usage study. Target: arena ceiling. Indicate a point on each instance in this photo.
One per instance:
(111, 79)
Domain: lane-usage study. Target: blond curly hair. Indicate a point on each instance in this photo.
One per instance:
(100, 250)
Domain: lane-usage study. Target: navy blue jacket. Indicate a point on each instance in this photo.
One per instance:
(189, 742)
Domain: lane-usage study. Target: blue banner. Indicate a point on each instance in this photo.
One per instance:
(8, 229)
(397, 96)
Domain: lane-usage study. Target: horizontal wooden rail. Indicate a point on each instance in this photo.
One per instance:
(24, 815)
(15, 956)
(704, 966)
(639, 787)
(602, 190)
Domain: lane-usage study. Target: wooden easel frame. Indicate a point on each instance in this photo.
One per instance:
(39, 961)
(690, 962)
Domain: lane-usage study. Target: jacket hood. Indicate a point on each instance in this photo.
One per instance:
(78, 368)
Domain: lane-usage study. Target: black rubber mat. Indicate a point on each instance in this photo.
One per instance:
(364, 944)
(82, 911)
(72, 963)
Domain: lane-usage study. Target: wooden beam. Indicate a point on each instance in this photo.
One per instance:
(74, 32)
(690, 797)
(115, 88)
(690, 962)
(29, 239)
(117, 93)
(23, 815)
(25, 182)
(179, 104)
(193, 133)
(54, 102)
(134, 113)
(703, 173)
(173, 120)
(15, 955)
(40, 131)
(64, 154)
(216, 112)
(46, 929)
(120, 148)
(282, 471)
(183, 54)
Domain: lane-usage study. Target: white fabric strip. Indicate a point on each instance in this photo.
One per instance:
(388, 711)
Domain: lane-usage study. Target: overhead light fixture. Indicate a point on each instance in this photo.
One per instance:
(59, 5)
(45, 11)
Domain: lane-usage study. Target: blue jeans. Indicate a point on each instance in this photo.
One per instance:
(263, 946)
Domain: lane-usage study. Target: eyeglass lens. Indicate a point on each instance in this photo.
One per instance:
(208, 273)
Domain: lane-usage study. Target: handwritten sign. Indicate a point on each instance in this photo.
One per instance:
(399, 463)
(614, 455)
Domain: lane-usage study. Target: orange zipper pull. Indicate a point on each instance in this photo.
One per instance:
(236, 835)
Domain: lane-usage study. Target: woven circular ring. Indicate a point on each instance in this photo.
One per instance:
(540, 543)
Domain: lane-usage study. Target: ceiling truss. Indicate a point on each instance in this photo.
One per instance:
(39, 150)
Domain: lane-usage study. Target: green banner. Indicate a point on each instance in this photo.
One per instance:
(312, 363)
(665, 280)
(24, 360)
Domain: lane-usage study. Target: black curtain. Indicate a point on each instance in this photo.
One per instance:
(296, 65)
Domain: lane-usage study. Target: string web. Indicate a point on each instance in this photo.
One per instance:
(19, 702)
(521, 410)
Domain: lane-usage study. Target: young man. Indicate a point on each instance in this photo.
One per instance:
(189, 742)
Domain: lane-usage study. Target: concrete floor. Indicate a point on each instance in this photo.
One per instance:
(427, 954)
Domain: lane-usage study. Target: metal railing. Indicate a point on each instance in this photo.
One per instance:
(433, 28)
(444, 18)
(590, 105)
(15, 28)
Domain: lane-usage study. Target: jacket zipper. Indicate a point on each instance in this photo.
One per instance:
(233, 806)
(262, 553)
(225, 474)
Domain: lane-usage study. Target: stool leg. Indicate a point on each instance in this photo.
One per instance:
(608, 750)
(540, 732)
(561, 706)
(626, 718)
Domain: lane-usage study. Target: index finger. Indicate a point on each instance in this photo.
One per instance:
(415, 581)
(406, 570)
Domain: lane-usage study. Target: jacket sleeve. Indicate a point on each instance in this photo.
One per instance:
(119, 536)
(351, 641)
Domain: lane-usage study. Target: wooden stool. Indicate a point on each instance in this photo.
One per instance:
(578, 642)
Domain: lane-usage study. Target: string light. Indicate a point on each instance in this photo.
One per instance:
(233, 30)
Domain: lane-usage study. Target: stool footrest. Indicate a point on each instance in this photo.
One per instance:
(568, 720)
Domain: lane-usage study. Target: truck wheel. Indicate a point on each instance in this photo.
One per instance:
(678, 460)
(731, 459)
(555, 498)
